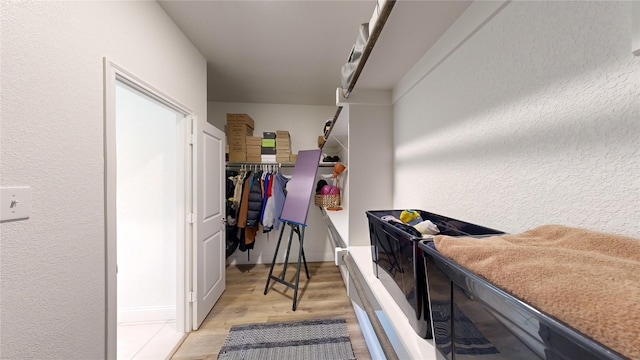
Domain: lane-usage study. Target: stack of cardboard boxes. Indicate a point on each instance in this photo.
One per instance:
(253, 148)
(283, 146)
(239, 128)
(268, 147)
(244, 147)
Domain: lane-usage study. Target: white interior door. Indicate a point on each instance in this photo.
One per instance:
(209, 236)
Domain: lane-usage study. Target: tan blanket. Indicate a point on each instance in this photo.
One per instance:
(589, 280)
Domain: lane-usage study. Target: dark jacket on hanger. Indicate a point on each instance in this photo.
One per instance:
(242, 213)
(254, 208)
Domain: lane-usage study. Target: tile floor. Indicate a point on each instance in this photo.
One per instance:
(152, 340)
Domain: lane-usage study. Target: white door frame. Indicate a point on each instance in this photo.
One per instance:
(112, 74)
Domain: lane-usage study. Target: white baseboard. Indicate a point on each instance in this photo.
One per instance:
(148, 313)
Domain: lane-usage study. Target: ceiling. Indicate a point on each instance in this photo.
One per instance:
(291, 52)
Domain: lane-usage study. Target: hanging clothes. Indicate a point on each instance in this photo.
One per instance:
(274, 210)
(266, 194)
(258, 198)
(237, 192)
(253, 208)
(242, 213)
(268, 214)
(231, 225)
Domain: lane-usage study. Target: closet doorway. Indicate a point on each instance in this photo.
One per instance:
(164, 201)
(149, 232)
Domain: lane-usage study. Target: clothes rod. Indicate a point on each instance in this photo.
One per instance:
(384, 15)
(373, 37)
(333, 124)
(235, 164)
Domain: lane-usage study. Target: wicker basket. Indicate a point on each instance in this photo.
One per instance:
(327, 200)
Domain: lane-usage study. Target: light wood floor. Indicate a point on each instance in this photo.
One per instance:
(244, 302)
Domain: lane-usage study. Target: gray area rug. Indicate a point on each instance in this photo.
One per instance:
(306, 339)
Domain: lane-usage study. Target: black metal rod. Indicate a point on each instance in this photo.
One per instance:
(306, 269)
(300, 257)
(275, 254)
(286, 257)
(373, 37)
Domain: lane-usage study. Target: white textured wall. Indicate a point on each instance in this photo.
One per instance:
(53, 265)
(304, 123)
(534, 120)
(369, 160)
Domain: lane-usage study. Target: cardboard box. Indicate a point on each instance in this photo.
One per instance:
(239, 128)
(241, 137)
(282, 133)
(283, 151)
(254, 151)
(237, 157)
(254, 141)
(238, 149)
(283, 142)
(237, 135)
(293, 157)
(269, 135)
(236, 141)
(254, 158)
(240, 119)
(282, 158)
(269, 143)
(268, 151)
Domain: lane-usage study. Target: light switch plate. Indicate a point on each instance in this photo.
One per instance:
(15, 203)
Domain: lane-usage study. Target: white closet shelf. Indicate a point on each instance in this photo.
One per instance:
(340, 221)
